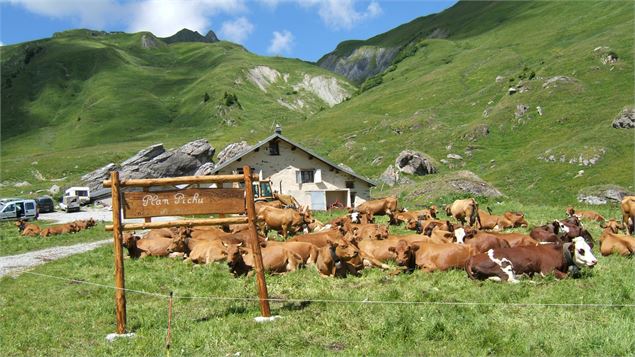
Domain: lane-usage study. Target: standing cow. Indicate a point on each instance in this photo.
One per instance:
(385, 206)
(464, 209)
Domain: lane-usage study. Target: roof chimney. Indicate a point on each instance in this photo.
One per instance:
(278, 129)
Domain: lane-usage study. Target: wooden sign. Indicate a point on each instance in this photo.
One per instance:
(183, 202)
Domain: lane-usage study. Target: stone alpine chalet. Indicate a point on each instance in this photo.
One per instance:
(297, 171)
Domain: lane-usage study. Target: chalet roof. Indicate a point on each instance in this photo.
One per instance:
(279, 136)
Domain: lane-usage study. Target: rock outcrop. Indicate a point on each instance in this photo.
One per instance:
(155, 162)
(231, 150)
(363, 62)
(625, 120)
(186, 35)
(600, 195)
(94, 179)
(414, 163)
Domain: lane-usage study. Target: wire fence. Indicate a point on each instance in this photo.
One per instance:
(340, 301)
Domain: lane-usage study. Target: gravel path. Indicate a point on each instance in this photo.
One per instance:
(15, 264)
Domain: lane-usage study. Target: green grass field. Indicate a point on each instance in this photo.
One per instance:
(11, 242)
(325, 316)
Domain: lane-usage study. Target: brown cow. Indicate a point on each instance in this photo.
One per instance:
(28, 229)
(547, 232)
(59, 229)
(516, 218)
(338, 258)
(611, 242)
(85, 224)
(484, 243)
(590, 215)
(514, 239)
(464, 209)
(285, 220)
(205, 251)
(375, 253)
(628, 213)
(275, 258)
(491, 221)
(380, 207)
(307, 251)
(433, 257)
(368, 230)
(161, 247)
(506, 263)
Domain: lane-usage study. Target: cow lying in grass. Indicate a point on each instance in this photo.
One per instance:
(611, 242)
(507, 263)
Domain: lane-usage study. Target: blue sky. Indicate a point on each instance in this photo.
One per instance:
(305, 29)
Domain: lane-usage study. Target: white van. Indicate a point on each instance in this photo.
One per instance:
(18, 209)
(82, 192)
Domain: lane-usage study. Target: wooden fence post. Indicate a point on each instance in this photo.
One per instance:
(255, 246)
(120, 284)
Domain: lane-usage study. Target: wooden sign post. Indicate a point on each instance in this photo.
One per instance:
(148, 204)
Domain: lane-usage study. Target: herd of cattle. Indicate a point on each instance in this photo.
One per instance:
(471, 240)
(32, 230)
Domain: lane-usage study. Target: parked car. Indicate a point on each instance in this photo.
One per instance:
(45, 204)
(18, 209)
(70, 204)
(82, 192)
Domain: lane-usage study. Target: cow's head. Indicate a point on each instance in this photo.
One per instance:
(403, 252)
(448, 210)
(613, 226)
(178, 244)
(129, 239)
(307, 217)
(517, 219)
(356, 217)
(433, 211)
(459, 235)
(344, 250)
(235, 257)
(581, 252)
(352, 236)
(381, 232)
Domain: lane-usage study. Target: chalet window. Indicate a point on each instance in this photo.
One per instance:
(273, 148)
(350, 184)
(308, 176)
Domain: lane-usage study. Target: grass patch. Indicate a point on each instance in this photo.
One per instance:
(11, 242)
(71, 318)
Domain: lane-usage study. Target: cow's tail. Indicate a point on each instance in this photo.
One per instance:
(468, 268)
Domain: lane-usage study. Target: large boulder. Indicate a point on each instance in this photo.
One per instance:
(625, 120)
(602, 194)
(390, 176)
(95, 178)
(230, 151)
(414, 163)
(183, 161)
(155, 162)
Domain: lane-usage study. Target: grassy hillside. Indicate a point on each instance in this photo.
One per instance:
(436, 99)
(84, 98)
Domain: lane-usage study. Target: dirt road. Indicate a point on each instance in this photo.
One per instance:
(15, 264)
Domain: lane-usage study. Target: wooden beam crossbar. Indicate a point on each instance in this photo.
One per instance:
(170, 181)
(149, 204)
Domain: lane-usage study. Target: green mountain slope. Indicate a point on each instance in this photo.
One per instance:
(443, 96)
(95, 97)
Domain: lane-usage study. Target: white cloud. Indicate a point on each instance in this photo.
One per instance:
(161, 17)
(237, 30)
(95, 14)
(341, 14)
(166, 17)
(270, 3)
(281, 42)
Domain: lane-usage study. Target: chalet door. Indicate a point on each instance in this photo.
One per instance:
(318, 200)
